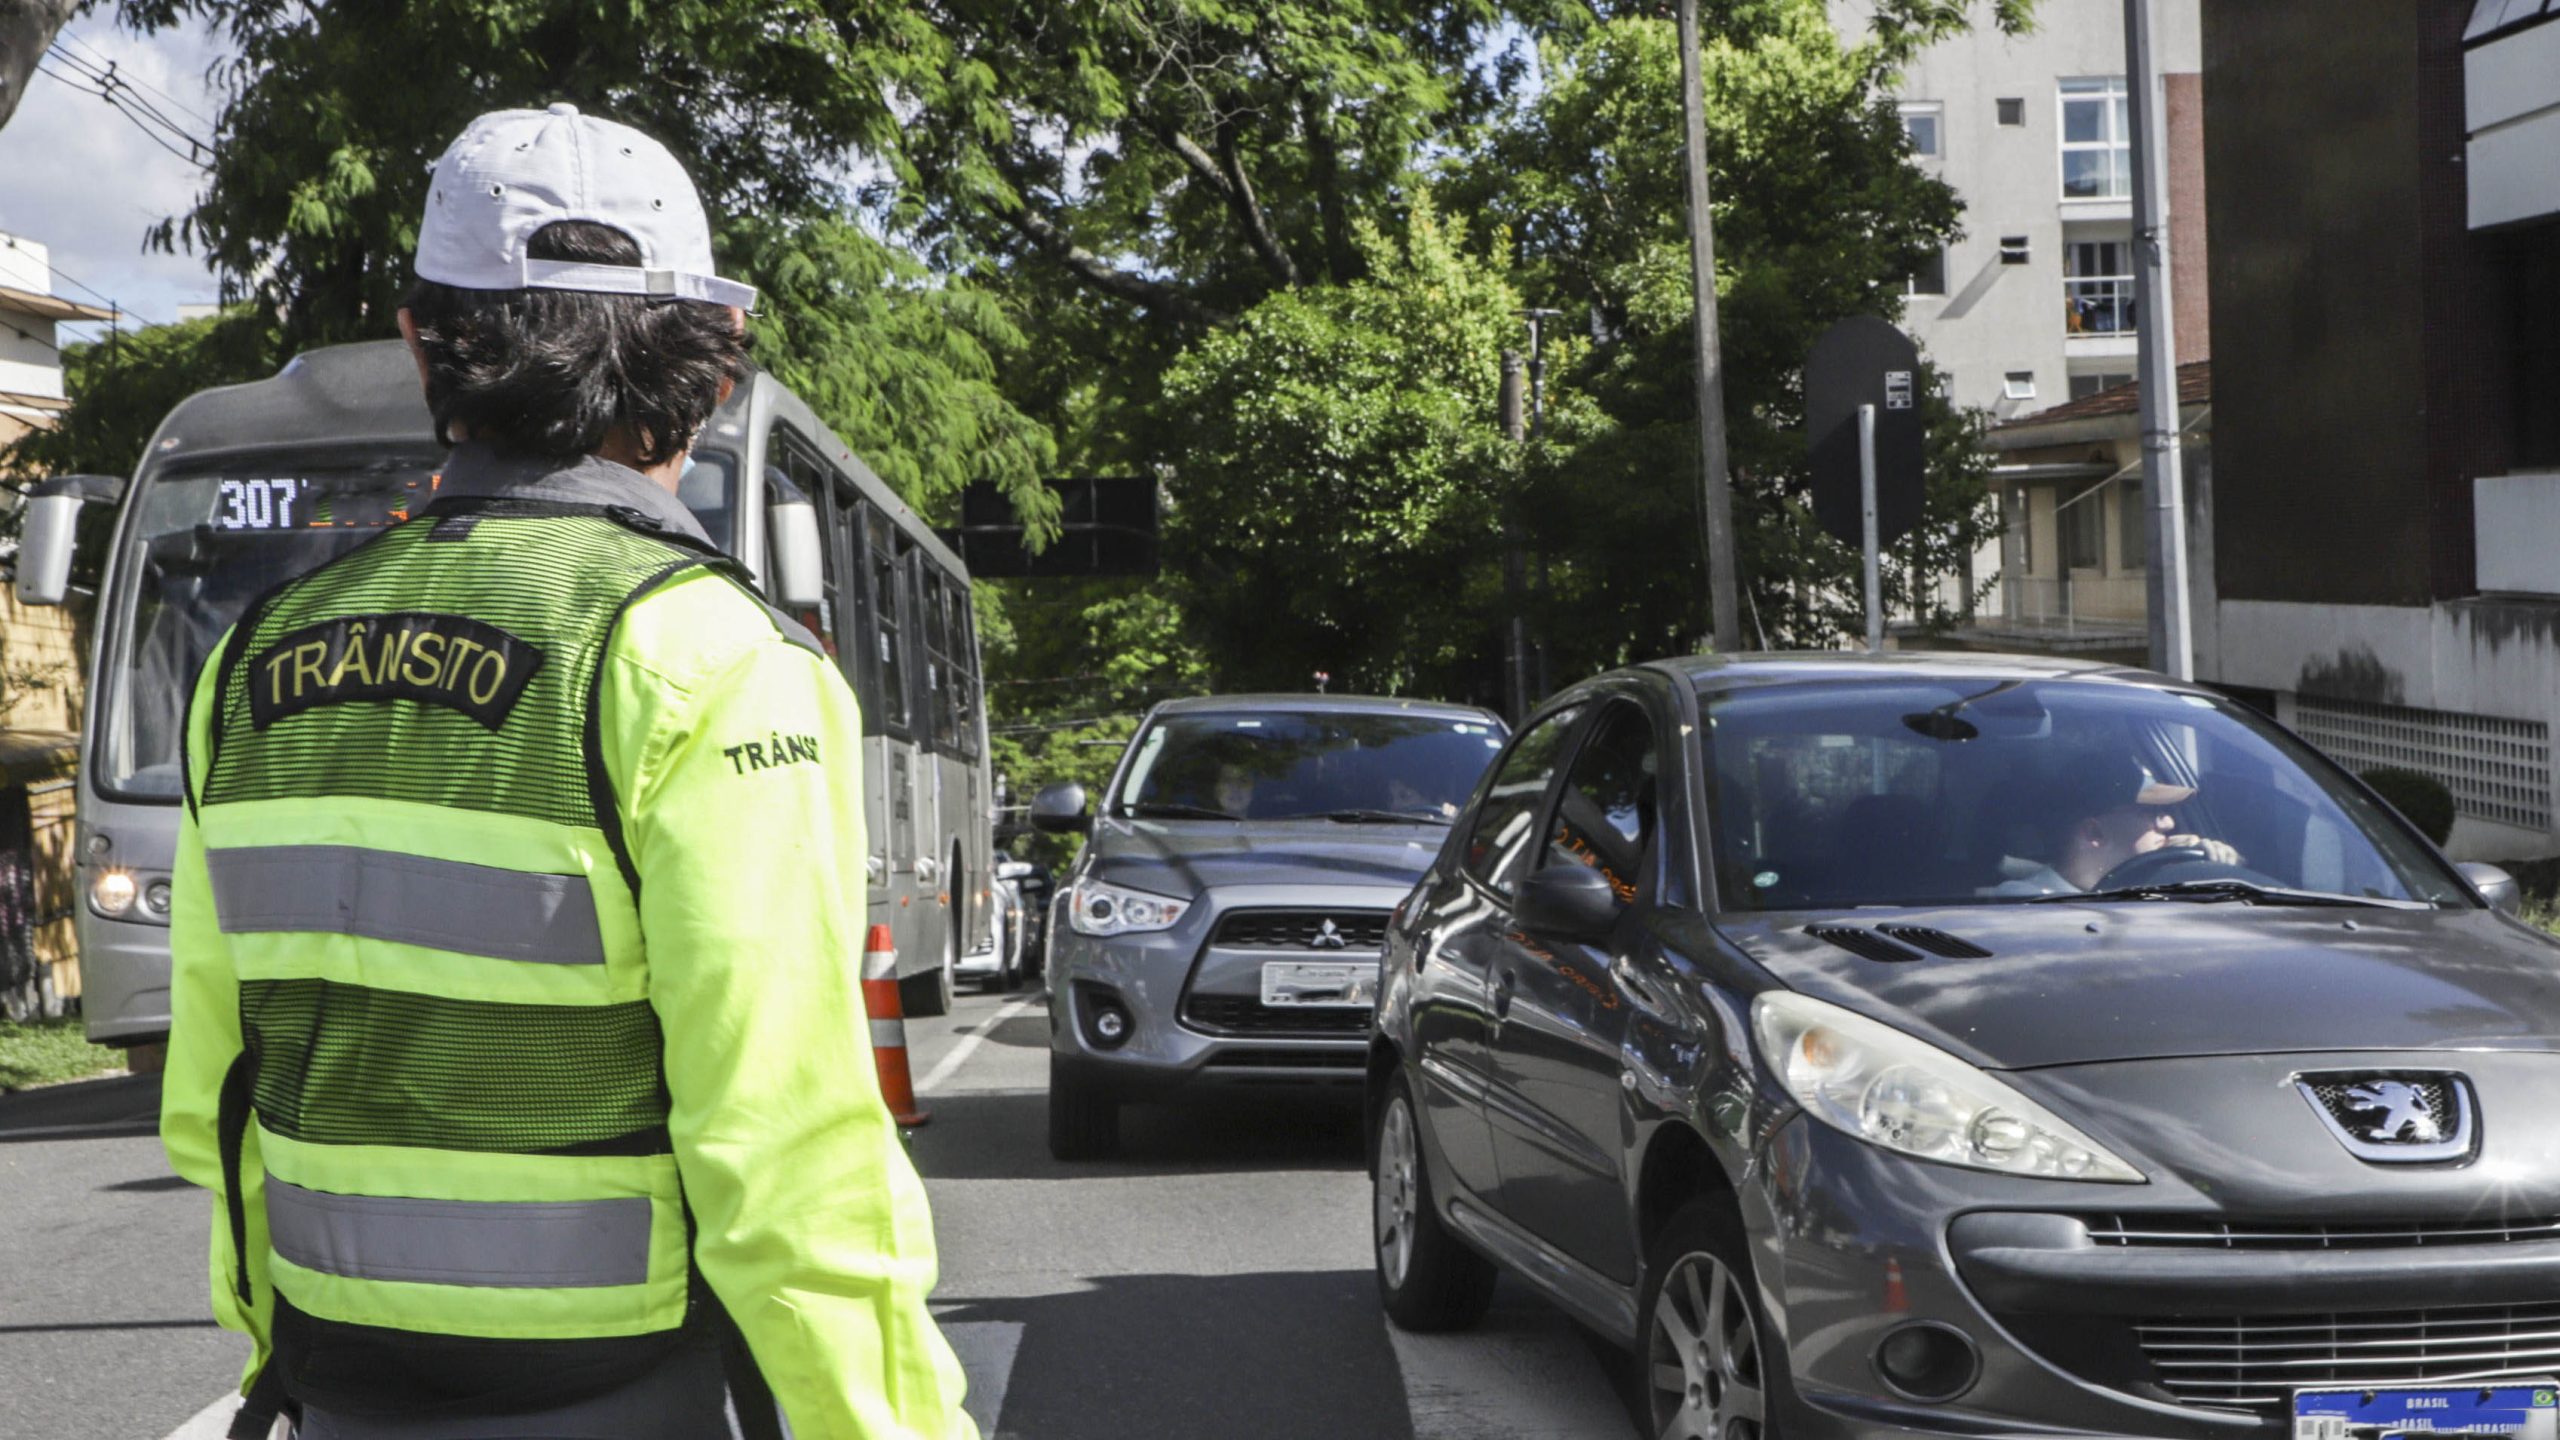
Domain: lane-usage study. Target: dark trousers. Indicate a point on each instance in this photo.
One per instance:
(684, 1399)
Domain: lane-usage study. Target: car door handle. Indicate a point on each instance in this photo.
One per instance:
(1638, 993)
(1502, 989)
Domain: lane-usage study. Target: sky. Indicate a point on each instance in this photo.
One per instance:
(79, 177)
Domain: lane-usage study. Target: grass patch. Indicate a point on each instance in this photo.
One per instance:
(47, 1052)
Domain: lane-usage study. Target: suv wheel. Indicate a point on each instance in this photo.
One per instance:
(1704, 1367)
(1427, 1278)
(1084, 1118)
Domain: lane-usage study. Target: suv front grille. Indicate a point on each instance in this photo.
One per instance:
(2189, 1231)
(1302, 930)
(2257, 1362)
(1245, 1015)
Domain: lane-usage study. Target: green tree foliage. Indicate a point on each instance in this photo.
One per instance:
(331, 116)
(1341, 483)
(1819, 216)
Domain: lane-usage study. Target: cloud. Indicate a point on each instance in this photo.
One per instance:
(85, 181)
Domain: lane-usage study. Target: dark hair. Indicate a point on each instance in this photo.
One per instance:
(549, 372)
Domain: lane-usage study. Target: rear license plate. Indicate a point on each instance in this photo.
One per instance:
(1321, 984)
(2527, 1409)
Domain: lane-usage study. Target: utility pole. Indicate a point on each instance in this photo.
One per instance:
(1515, 646)
(1715, 501)
(2156, 338)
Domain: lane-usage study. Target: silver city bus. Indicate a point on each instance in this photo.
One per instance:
(246, 486)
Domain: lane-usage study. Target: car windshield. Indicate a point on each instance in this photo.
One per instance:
(204, 541)
(1280, 765)
(1910, 792)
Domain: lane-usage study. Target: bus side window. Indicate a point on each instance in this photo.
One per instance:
(810, 475)
(888, 635)
(939, 673)
(964, 669)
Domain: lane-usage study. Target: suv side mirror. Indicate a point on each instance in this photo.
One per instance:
(798, 565)
(1572, 902)
(53, 530)
(1059, 809)
(2495, 885)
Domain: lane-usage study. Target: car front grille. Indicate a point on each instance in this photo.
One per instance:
(1245, 1015)
(1347, 1062)
(2257, 1362)
(2199, 1232)
(1302, 930)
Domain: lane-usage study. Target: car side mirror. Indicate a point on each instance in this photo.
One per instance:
(2495, 885)
(1059, 809)
(798, 567)
(52, 532)
(1571, 902)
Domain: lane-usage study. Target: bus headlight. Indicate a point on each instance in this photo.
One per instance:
(111, 893)
(155, 899)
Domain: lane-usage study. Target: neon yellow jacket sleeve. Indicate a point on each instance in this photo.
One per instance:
(737, 767)
(204, 1039)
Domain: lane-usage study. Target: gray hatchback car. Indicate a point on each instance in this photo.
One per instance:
(1222, 926)
(1974, 1046)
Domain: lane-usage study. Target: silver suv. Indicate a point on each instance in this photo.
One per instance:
(1224, 922)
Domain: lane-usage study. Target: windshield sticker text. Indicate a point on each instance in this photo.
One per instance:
(448, 660)
(775, 749)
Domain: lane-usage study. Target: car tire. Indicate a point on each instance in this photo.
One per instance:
(1428, 1279)
(1700, 1316)
(1084, 1118)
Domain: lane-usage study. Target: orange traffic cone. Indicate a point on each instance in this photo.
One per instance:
(889, 1027)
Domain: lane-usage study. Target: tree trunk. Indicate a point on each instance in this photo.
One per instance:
(27, 28)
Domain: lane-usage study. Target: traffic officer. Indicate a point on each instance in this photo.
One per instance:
(516, 1029)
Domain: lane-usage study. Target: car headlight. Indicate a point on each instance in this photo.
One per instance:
(1888, 1089)
(1098, 909)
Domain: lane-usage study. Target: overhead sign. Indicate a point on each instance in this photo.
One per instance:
(1107, 527)
(1864, 361)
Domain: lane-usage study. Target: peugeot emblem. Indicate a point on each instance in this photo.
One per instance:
(1328, 936)
(2396, 1117)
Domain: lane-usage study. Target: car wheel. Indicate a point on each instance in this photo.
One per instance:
(1706, 1370)
(1427, 1278)
(1084, 1118)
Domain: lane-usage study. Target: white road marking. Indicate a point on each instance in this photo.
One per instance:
(986, 1349)
(968, 1046)
(1525, 1374)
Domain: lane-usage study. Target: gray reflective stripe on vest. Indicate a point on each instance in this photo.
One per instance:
(382, 895)
(517, 1244)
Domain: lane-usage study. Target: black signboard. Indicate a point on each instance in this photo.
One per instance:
(1108, 527)
(1865, 361)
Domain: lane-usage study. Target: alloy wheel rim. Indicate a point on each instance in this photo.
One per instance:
(1702, 1355)
(1395, 1193)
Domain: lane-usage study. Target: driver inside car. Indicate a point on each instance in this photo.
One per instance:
(2104, 811)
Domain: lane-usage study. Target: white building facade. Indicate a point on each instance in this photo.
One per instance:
(30, 355)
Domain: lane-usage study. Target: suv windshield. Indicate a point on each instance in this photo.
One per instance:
(1982, 792)
(1278, 765)
(205, 541)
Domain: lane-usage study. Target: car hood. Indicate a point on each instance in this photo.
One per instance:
(1184, 857)
(2077, 984)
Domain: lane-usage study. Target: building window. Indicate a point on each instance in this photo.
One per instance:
(2013, 250)
(2084, 386)
(2084, 531)
(2018, 385)
(2133, 526)
(2013, 111)
(1920, 122)
(2097, 147)
(2097, 287)
(1931, 277)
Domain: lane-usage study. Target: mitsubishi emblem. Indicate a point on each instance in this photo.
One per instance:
(1328, 936)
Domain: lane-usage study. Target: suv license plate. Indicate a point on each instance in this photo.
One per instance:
(2526, 1409)
(1324, 984)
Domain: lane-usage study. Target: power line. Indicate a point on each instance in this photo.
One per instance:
(121, 96)
(188, 110)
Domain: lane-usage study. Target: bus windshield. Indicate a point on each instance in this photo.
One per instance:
(204, 541)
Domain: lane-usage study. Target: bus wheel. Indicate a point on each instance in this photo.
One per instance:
(931, 993)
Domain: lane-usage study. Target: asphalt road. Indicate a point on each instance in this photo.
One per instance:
(1213, 1281)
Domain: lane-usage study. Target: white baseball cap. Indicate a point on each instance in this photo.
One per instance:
(514, 171)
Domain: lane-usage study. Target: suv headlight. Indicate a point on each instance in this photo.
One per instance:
(1888, 1089)
(1094, 908)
